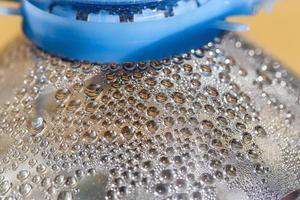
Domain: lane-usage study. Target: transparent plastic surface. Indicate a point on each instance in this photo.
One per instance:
(218, 123)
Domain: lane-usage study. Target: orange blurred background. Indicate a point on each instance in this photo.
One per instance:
(277, 32)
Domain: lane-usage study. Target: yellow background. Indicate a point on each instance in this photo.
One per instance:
(277, 32)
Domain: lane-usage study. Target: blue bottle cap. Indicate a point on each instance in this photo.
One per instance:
(128, 30)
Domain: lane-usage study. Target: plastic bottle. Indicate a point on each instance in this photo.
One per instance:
(218, 122)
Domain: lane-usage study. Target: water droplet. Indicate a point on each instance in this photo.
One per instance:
(71, 181)
(216, 143)
(207, 178)
(259, 168)
(167, 175)
(92, 90)
(167, 83)
(161, 189)
(110, 136)
(215, 163)
(35, 125)
(41, 168)
(247, 138)
(236, 144)
(144, 94)
(196, 196)
(91, 107)
(230, 98)
(59, 179)
(180, 184)
(127, 132)
(62, 94)
(161, 97)
(230, 170)
(73, 105)
(152, 126)
(65, 195)
(206, 124)
(178, 98)
(224, 77)
(25, 189)
(90, 136)
(5, 187)
(211, 91)
(260, 131)
(253, 154)
(206, 70)
(152, 111)
(23, 175)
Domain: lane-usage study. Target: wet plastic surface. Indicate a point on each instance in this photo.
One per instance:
(221, 122)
